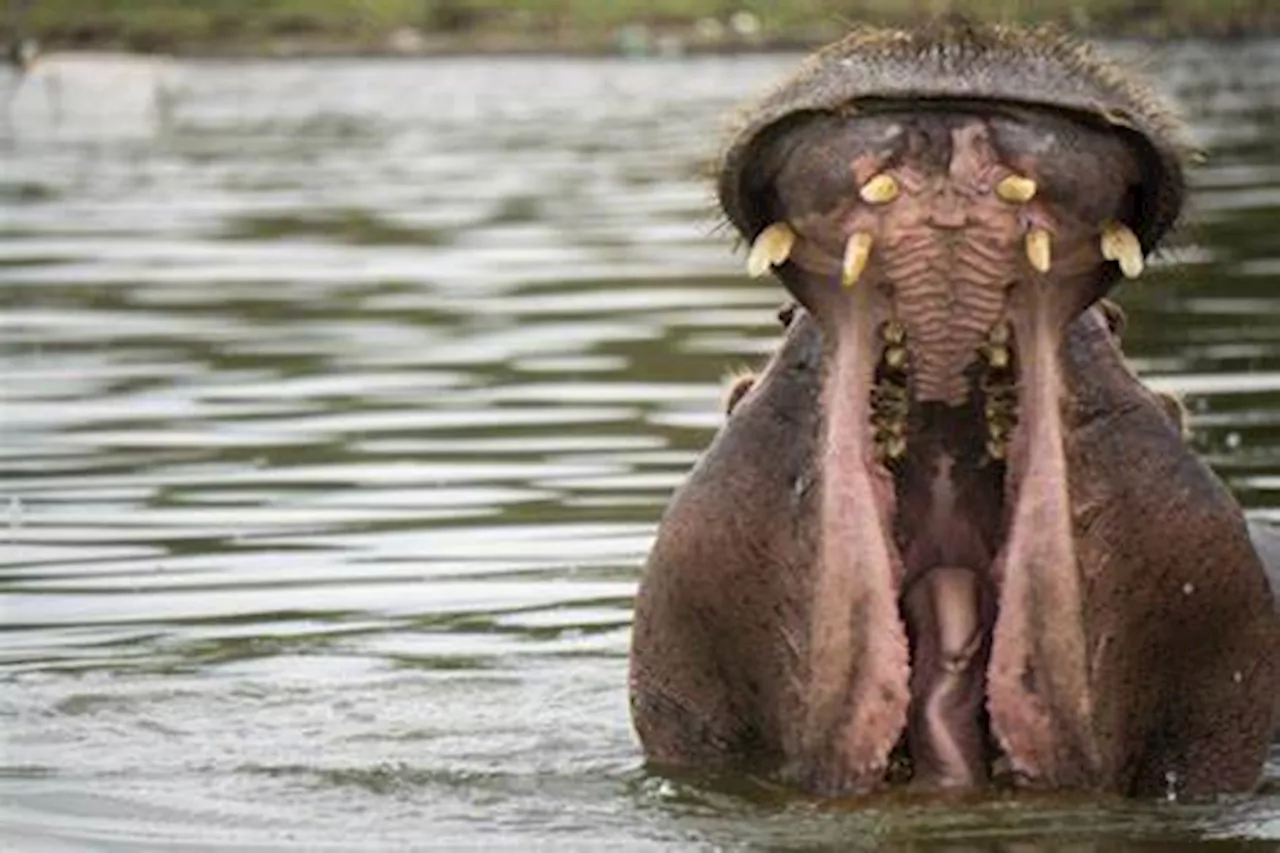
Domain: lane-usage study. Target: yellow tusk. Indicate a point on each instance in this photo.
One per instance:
(881, 189)
(856, 253)
(1120, 244)
(1016, 189)
(1038, 249)
(771, 248)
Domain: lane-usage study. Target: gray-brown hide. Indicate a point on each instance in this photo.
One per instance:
(947, 537)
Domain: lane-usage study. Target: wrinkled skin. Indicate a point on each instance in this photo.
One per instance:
(946, 538)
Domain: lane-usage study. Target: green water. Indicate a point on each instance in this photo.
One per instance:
(339, 401)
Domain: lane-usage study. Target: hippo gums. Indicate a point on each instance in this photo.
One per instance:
(946, 538)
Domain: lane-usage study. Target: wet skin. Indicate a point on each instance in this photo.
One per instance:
(946, 538)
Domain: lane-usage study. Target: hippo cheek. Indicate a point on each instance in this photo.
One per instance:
(943, 248)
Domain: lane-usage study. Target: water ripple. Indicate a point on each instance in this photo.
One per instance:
(338, 408)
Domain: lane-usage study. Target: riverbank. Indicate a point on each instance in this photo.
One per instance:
(664, 27)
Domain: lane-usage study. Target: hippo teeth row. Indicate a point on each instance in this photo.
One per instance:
(772, 246)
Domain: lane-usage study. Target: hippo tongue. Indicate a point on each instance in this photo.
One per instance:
(1037, 687)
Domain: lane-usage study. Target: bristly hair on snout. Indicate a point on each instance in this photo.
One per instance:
(954, 59)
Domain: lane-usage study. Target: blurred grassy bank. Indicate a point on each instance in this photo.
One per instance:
(634, 26)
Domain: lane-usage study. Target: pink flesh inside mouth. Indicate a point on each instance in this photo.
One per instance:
(947, 633)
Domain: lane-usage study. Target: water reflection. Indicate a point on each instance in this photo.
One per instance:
(337, 414)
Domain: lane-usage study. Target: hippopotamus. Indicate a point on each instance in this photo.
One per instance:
(946, 538)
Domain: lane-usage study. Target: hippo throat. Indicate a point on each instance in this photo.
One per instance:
(944, 248)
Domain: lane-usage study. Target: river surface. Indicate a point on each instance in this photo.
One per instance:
(340, 401)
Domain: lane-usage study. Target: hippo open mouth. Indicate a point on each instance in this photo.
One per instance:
(943, 243)
(947, 535)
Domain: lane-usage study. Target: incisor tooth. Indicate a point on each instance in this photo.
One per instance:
(856, 253)
(1038, 249)
(1016, 189)
(771, 249)
(1120, 244)
(881, 189)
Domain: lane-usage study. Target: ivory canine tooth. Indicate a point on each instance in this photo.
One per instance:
(1039, 252)
(881, 189)
(856, 253)
(771, 248)
(1121, 245)
(1016, 189)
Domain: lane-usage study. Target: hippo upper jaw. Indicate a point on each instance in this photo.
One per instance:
(944, 248)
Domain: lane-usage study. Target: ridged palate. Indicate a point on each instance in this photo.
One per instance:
(948, 291)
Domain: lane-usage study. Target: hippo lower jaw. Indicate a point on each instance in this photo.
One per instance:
(948, 620)
(972, 647)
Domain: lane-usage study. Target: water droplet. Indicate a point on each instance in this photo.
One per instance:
(1237, 676)
(1188, 588)
(1233, 440)
(1171, 786)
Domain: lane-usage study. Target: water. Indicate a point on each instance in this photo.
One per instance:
(340, 401)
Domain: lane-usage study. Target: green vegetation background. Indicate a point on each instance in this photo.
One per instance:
(282, 26)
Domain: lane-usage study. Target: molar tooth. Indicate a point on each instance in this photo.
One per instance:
(771, 248)
(895, 447)
(856, 253)
(1016, 189)
(1120, 244)
(893, 332)
(1038, 249)
(881, 189)
(996, 450)
(895, 357)
(998, 356)
(999, 334)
